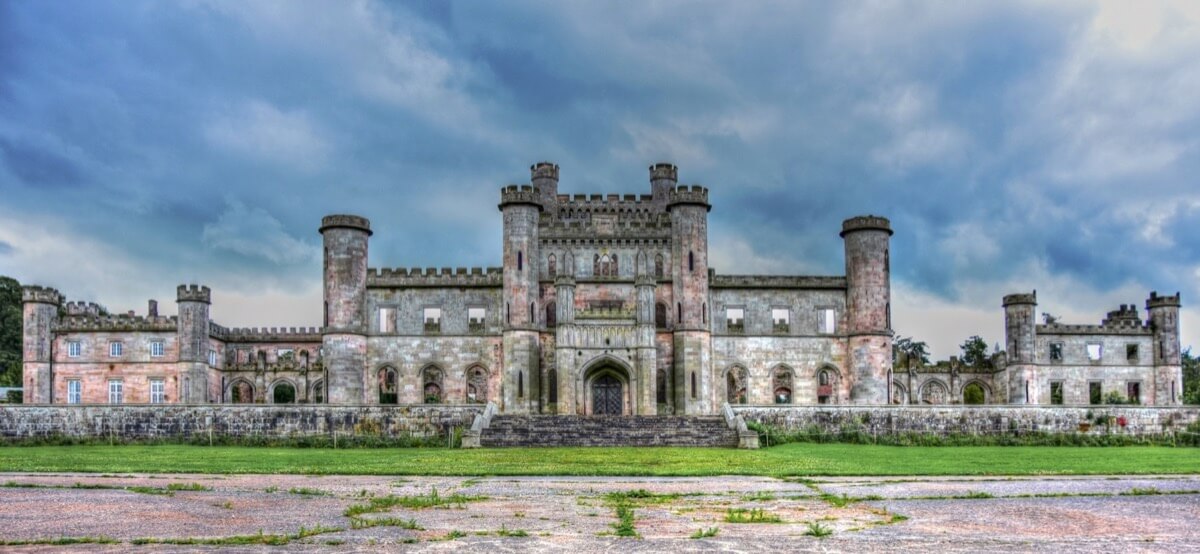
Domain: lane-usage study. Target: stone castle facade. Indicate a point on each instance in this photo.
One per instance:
(602, 305)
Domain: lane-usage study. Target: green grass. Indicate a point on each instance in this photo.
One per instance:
(416, 502)
(815, 529)
(756, 515)
(703, 533)
(792, 459)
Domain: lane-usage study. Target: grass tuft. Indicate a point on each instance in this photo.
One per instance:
(703, 533)
(756, 515)
(815, 529)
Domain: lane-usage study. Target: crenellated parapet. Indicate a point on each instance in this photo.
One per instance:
(435, 277)
(519, 194)
(695, 195)
(269, 334)
(345, 221)
(1066, 329)
(866, 222)
(113, 323)
(777, 282)
(76, 308)
(543, 170)
(619, 228)
(1124, 316)
(664, 170)
(1166, 301)
(41, 295)
(1020, 298)
(193, 293)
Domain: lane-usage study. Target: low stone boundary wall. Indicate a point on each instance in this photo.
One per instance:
(978, 420)
(259, 422)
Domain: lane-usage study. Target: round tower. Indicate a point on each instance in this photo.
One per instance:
(521, 207)
(1020, 336)
(544, 178)
(40, 307)
(689, 207)
(1168, 368)
(344, 345)
(663, 179)
(193, 303)
(868, 307)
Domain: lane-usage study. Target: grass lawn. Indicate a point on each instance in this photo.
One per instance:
(792, 459)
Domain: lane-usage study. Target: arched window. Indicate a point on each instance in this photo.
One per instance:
(552, 266)
(737, 385)
(825, 386)
(431, 379)
(781, 384)
(520, 260)
(596, 265)
(658, 266)
(304, 359)
(388, 391)
(318, 392)
(241, 392)
(660, 315)
(615, 269)
(551, 315)
(973, 393)
(477, 385)
(262, 359)
(283, 393)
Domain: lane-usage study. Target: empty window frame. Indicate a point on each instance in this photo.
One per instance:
(1131, 353)
(74, 349)
(476, 319)
(658, 266)
(781, 320)
(432, 318)
(1056, 352)
(157, 391)
(1095, 392)
(735, 320)
(116, 391)
(387, 320)
(1133, 392)
(1095, 352)
(552, 266)
(74, 391)
(212, 358)
(156, 349)
(115, 349)
(827, 321)
(1056, 392)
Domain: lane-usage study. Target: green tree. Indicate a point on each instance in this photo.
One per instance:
(914, 350)
(1191, 377)
(975, 352)
(10, 332)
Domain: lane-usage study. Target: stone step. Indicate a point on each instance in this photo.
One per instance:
(573, 430)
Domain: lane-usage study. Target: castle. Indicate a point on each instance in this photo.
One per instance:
(603, 305)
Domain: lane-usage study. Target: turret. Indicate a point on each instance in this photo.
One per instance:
(345, 278)
(1168, 369)
(521, 207)
(193, 302)
(663, 179)
(40, 306)
(1020, 335)
(544, 178)
(688, 207)
(868, 307)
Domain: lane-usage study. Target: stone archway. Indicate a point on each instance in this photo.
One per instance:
(607, 389)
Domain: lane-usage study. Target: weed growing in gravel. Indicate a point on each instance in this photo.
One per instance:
(760, 496)
(188, 487)
(1138, 491)
(364, 523)
(976, 495)
(431, 500)
(642, 496)
(897, 518)
(305, 491)
(624, 525)
(148, 490)
(703, 533)
(260, 538)
(271, 489)
(454, 534)
(61, 541)
(506, 532)
(815, 529)
(756, 515)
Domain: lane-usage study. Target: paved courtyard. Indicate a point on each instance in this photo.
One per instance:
(580, 514)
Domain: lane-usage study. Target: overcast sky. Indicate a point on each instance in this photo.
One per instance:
(1048, 145)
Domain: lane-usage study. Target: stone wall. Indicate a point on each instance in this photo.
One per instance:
(172, 422)
(971, 419)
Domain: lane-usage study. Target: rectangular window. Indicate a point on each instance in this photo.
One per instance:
(1056, 392)
(1133, 391)
(433, 320)
(156, 349)
(157, 391)
(781, 320)
(827, 320)
(1131, 353)
(735, 320)
(212, 358)
(1056, 351)
(1094, 352)
(116, 392)
(1095, 392)
(74, 391)
(114, 349)
(387, 320)
(73, 349)
(475, 319)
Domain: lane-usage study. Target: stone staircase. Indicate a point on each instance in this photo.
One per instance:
(574, 430)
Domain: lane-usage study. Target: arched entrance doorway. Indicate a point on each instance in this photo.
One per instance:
(606, 396)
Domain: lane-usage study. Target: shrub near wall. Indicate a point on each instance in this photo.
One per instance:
(293, 425)
(975, 425)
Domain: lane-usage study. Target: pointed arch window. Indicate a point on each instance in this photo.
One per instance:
(658, 266)
(431, 379)
(388, 386)
(552, 266)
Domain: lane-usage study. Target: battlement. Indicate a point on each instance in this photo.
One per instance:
(866, 223)
(84, 308)
(664, 170)
(120, 322)
(265, 334)
(519, 194)
(1020, 298)
(1051, 329)
(1156, 301)
(1125, 316)
(695, 195)
(621, 228)
(435, 277)
(193, 293)
(41, 295)
(543, 170)
(345, 221)
(776, 282)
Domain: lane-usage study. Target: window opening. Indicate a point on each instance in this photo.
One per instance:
(780, 320)
(1056, 392)
(433, 320)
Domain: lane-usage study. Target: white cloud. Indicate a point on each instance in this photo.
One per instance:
(260, 131)
(256, 233)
